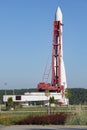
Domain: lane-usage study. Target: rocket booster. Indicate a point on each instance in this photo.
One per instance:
(58, 82)
(58, 68)
(58, 17)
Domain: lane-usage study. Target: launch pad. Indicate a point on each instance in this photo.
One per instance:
(58, 82)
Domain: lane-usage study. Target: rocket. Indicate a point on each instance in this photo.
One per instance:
(58, 68)
(58, 81)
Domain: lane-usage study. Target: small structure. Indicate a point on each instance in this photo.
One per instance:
(35, 97)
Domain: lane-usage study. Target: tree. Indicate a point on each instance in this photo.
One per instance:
(67, 93)
(10, 102)
(53, 104)
(51, 100)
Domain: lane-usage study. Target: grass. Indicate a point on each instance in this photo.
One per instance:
(78, 119)
(76, 114)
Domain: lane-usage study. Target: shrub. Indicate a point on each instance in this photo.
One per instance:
(57, 119)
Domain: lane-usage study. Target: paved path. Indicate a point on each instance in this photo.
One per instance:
(36, 127)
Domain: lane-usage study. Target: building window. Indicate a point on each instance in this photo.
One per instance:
(18, 97)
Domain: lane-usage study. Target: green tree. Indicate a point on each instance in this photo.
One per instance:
(10, 102)
(53, 104)
(67, 93)
(51, 100)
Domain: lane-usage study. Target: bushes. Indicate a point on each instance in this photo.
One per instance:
(57, 119)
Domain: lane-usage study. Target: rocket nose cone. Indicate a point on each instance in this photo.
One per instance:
(58, 15)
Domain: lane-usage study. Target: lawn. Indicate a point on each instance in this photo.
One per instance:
(75, 115)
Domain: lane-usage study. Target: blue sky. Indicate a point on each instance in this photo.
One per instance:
(26, 33)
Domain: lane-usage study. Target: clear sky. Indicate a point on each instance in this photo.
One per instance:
(26, 34)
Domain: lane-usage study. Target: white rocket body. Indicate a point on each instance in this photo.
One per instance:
(58, 17)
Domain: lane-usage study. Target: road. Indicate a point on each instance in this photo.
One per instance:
(37, 127)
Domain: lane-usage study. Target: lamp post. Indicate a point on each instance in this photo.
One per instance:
(5, 92)
(5, 84)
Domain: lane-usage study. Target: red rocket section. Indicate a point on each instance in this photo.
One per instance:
(56, 62)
